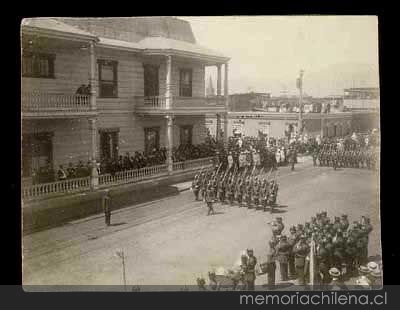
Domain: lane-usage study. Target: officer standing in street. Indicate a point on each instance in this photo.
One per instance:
(106, 204)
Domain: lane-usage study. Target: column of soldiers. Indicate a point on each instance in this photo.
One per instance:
(242, 186)
(357, 157)
(339, 247)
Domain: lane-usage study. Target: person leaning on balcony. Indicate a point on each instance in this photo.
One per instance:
(71, 172)
(61, 174)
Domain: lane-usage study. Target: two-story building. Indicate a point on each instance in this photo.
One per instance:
(96, 88)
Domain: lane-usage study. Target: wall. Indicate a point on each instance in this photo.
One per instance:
(71, 138)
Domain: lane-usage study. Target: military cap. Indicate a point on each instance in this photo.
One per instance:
(344, 215)
(250, 250)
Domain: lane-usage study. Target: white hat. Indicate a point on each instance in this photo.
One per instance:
(373, 266)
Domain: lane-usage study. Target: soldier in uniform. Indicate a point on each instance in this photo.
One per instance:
(271, 269)
(277, 226)
(315, 156)
(282, 255)
(248, 191)
(256, 192)
(292, 240)
(210, 199)
(196, 187)
(250, 274)
(221, 190)
(106, 203)
(239, 192)
(301, 250)
(344, 222)
(230, 189)
(203, 184)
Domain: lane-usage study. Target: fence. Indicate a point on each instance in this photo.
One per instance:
(45, 189)
(192, 164)
(129, 176)
(105, 180)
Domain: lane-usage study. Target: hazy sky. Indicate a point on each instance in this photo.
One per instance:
(267, 52)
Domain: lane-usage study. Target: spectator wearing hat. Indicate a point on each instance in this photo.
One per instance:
(363, 280)
(336, 282)
(375, 274)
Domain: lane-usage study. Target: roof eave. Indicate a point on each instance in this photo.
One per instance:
(174, 52)
(58, 34)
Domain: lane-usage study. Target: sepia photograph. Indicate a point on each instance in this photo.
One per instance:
(200, 153)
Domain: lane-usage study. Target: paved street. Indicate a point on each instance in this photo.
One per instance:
(172, 241)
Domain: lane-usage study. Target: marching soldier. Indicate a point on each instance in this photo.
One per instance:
(196, 187)
(230, 189)
(221, 190)
(210, 199)
(248, 193)
(256, 192)
(239, 192)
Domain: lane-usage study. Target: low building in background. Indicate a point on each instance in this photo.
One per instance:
(365, 98)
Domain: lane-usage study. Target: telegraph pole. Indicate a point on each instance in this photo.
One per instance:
(300, 87)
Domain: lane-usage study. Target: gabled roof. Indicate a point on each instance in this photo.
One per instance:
(147, 45)
(53, 26)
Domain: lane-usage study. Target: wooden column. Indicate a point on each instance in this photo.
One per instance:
(170, 141)
(92, 79)
(168, 93)
(94, 176)
(226, 94)
(219, 80)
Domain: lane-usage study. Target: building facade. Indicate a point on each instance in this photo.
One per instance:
(94, 89)
(366, 98)
(278, 125)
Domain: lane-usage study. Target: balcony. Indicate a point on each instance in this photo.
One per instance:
(157, 105)
(51, 105)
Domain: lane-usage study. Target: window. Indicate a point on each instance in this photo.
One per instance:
(109, 144)
(151, 139)
(108, 78)
(150, 80)
(186, 135)
(38, 65)
(185, 89)
(37, 156)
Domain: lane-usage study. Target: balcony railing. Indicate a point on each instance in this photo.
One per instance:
(154, 104)
(48, 102)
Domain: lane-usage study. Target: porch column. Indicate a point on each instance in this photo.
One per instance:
(168, 94)
(94, 176)
(219, 78)
(170, 141)
(226, 94)
(92, 79)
